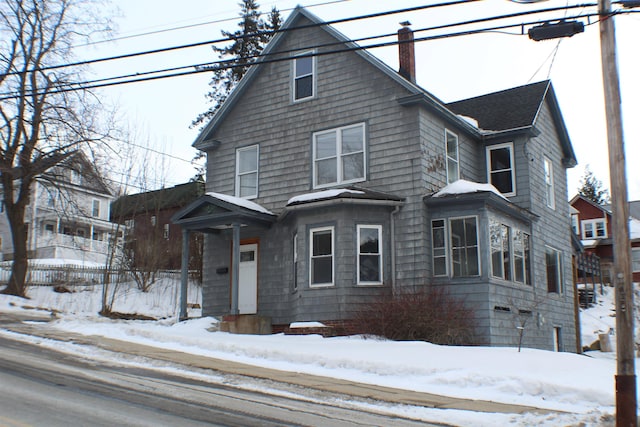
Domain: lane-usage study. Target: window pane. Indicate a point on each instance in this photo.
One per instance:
(470, 231)
(369, 243)
(325, 145)
(248, 160)
(464, 241)
(438, 237)
(502, 181)
(439, 266)
(326, 172)
(248, 184)
(321, 270)
(527, 259)
(554, 278)
(370, 268)
(635, 259)
(471, 264)
(322, 243)
(352, 167)
(304, 66)
(352, 140)
(304, 87)
(500, 159)
(452, 171)
(452, 146)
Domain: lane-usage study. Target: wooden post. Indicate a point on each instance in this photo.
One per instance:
(626, 401)
(235, 263)
(184, 275)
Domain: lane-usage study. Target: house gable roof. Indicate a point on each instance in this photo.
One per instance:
(606, 209)
(204, 141)
(516, 109)
(77, 162)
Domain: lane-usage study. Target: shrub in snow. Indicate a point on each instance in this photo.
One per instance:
(421, 314)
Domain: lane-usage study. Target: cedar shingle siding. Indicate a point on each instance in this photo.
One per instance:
(405, 158)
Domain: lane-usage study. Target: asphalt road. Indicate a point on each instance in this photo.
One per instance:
(41, 387)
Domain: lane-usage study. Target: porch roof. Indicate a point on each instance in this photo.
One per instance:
(215, 211)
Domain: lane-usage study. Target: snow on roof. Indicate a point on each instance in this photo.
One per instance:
(244, 203)
(319, 195)
(462, 186)
(588, 243)
(473, 122)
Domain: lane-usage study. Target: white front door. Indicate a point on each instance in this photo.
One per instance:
(248, 280)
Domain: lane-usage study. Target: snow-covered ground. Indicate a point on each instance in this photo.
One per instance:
(579, 387)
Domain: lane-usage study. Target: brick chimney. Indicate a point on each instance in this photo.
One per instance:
(406, 52)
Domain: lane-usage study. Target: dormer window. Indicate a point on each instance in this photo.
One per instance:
(303, 77)
(594, 229)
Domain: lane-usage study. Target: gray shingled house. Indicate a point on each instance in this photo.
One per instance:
(333, 179)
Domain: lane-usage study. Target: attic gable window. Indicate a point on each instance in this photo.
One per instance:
(338, 156)
(303, 77)
(500, 168)
(247, 172)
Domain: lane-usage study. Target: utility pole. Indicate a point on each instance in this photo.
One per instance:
(626, 401)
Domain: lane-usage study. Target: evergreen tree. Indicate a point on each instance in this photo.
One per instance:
(247, 43)
(591, 188)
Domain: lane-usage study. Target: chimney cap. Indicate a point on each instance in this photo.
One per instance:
(405, 23)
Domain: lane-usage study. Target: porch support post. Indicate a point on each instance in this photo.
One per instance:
(235, 259)
(184, 275)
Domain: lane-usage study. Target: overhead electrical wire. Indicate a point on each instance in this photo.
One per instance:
(266, 58)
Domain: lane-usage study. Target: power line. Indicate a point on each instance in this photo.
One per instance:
(199, 24)
(227, 39)
(263, 59)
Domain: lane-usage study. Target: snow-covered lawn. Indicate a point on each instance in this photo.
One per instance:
(580, 387)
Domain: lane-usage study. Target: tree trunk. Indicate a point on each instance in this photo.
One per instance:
(17, 285)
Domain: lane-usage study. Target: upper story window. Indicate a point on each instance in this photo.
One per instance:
(304, 77)
(154, 220)
(247, 172)
(500, 169)
(369, 255)
(95, 208)
(165, 231)
(451, 148)
(594, 228)
(339, 156)
(321, 256)
(548, 184)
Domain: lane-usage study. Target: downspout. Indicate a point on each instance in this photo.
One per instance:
(392, 228)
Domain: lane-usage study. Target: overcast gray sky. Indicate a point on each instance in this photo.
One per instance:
(451, 68)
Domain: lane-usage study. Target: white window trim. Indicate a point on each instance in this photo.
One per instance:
(512, 160)
(633, 262)
(450, 243)
(509, 255)
(338, 158)
(447, 132)
(380, 255)
(594, 222)
(549, 186)
(526, 269)
(314, 75)
(446, 248)
(560, 271)
(256, 171)
(333, 251)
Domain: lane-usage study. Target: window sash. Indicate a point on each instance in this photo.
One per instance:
(439, 247)
(370, 254)
(339, 156)
(321, 251)
(500, 168)
(95, 208)
(451, 150)
(594, 228)
(553, 262)
(465, 260)
(548, 182)
(303, 77)
(635, 259)
(247, 160)
(500, 250)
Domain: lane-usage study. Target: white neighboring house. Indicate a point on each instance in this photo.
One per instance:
(68, 215)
